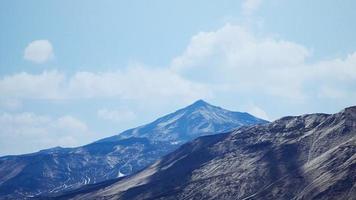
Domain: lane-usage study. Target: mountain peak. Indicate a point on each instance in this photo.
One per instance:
(351, 109)
(199, 103)
(350, 112)
(197, 119)
(202, 105)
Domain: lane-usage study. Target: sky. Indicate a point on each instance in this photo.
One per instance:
(72, 72)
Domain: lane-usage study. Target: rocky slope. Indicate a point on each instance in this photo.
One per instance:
(303, 157)
(60, 169)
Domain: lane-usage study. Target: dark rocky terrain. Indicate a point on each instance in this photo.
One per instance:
(61, 169)
(302, 157)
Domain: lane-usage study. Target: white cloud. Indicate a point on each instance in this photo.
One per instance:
(10, 104)
(252, 65)
(258, 112)
(327, 92)
(250, 6)
(69, 123)
(118, 115)
(235, 56)
(46, 85)
(132, 83)
(39, 51)
(29, 132)
(135, 83)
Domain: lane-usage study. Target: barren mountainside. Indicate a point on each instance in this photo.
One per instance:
(301, 157)
(61, 169)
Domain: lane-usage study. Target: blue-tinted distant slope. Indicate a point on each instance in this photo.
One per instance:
(61, 169)
(197, 119)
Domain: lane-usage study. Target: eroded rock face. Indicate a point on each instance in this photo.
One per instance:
(303, 157)
(60, 169)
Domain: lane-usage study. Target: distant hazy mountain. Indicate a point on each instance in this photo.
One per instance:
(60, 169)
(193, 121)
(304, 157)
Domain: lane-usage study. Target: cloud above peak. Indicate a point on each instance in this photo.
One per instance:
(39, 51)
(250, 6)
(252, 65)
(229, 61)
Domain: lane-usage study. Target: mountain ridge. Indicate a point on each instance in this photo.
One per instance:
(60, 169)
(310, 156)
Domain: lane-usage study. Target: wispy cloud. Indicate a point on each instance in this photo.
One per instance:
(10, 104)
(250, 6)
(258, 112)
(140, 83)
(29, 132)
(255, 65)
(116, 115)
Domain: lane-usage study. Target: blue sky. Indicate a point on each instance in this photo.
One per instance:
(72, 72)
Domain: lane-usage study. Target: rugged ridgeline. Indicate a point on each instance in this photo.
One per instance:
(304, 157)
(59, 169)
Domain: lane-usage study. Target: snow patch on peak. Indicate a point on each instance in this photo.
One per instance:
(171, 120)
(119, 175)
